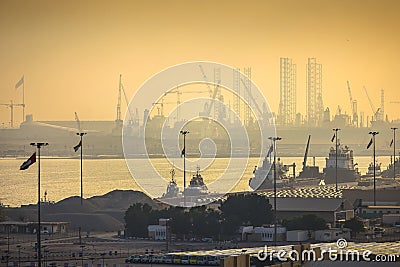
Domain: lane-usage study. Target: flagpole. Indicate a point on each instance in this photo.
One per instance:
(394, 152)
(39, 254)
(373, 140)
(81, 134)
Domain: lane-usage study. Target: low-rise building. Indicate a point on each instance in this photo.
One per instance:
(332, 210)
(266, 234)
(30, 227)
(298, 235)
(332, 234)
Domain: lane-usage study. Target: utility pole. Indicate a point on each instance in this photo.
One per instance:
(336, 163)
(394, 152)
(274, 139)
(39, 254)
(373, 140)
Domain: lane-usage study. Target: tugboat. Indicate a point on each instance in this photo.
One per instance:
(346, 171)
(388, 173)
(264, 176)
(196, 187)
(172, 188)
(370, 171)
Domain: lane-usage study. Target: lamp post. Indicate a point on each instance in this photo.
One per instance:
(274, 139)
(19, 255)
(39, 146)
(82, 246)
(336, 163)
(394, 152)
(184, 133)
(373, 141)
(81, 134)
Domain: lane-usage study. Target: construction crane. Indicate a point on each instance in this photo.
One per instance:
(374, 112)
(353, 104)
(122, 90)
(215, 92)
(11, 106)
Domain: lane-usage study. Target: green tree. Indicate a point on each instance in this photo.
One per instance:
(355, 225)
(137, 218)
(305, 222)
(2, 215)
(245, 209)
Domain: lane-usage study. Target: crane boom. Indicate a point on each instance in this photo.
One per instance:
(208, 111)
(351, 97)
(370, 102)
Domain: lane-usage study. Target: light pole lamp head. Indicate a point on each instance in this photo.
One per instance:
(184, 132)
(336, 129)
(374, 133)
(274, 138)
(81, 134)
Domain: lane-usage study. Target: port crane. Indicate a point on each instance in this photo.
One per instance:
(215, 92)
(375, 112)
(353, 104)
(11, 105)
(122, 90)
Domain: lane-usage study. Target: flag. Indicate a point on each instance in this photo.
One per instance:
(29, 162)
(333, 137)
(369, 144)
(20, 82)
(76, 148)
(271, 148)
(183, 153)
(391, 143)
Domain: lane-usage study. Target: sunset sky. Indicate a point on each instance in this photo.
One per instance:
(72, 52)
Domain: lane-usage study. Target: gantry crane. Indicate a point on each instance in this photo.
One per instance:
(11, 106)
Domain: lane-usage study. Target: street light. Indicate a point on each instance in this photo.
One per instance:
(373, 141)
(274, 139)
(184, 133)
(81, 134)
(19, 255)
(336, 163)
(166, 232)
(39, 146)
(394, 152)
(82, 246)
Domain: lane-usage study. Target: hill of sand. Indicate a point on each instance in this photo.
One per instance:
(98, 213)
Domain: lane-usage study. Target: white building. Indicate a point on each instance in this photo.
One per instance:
(332, 234)
(263, 233)
(157, 232)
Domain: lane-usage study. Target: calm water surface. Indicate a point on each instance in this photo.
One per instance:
(61, 177)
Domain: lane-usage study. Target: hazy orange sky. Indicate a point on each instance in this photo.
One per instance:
(72, 52)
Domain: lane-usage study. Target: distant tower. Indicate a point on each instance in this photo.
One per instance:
(236, 89)
(315, 106)
(247, 94)
(382, 110)
(287, 104)
(217, 104)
